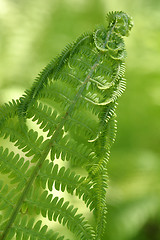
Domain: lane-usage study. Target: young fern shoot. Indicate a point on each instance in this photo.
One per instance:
(73, 100)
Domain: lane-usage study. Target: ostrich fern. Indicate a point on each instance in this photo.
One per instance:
(73, 100)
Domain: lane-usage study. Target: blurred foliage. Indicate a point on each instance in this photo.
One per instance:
(34, 32)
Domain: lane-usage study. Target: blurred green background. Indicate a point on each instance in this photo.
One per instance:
(34, 32)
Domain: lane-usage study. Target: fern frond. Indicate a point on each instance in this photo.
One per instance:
(8, 198)
(9, 110)
(100, 186)
(49, 72)
(65, 179)
(45, 116)
(57, 209)
(70, 150)
(73, 101)
(29, 142)
(15, 166)
(24, 228)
